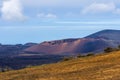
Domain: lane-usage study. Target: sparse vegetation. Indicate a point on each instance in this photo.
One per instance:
(67, 58)
(97, 67)
(108, 49)
(78, 56)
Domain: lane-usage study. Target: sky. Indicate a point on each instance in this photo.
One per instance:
(23, 21)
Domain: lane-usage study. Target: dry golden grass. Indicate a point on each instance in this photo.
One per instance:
(99, 67)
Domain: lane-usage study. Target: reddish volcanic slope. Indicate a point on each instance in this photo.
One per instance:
(69, 46)
(96, 42)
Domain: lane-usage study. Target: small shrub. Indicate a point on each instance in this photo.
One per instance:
(90, 54)
(67, 58)
(108, 49)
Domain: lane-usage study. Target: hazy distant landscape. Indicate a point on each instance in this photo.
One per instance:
(32, 54)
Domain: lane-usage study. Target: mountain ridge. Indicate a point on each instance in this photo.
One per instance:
(95, 43)
(102, 39)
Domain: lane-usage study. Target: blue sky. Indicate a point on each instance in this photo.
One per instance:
(24, 21)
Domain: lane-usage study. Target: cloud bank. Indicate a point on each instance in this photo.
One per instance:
(12, 10)
(99, 8)
(63, 9)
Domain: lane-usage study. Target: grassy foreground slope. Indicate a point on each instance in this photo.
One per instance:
(100, 67)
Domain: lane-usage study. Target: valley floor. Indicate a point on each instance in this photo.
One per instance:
(100, 67)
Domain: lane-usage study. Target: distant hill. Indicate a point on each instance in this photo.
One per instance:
(13, 50)
(99, 67)
(106, 34)
(93, 43)
(69, 46)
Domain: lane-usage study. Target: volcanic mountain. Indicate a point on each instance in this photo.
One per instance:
(96, 42)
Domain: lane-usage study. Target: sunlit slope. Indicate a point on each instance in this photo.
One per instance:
(100, 67)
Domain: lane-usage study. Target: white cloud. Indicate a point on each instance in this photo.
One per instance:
(12, 10)
(48, 16)
(99, 8)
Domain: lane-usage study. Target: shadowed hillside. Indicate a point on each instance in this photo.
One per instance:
(106, 34)
(100, 67)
